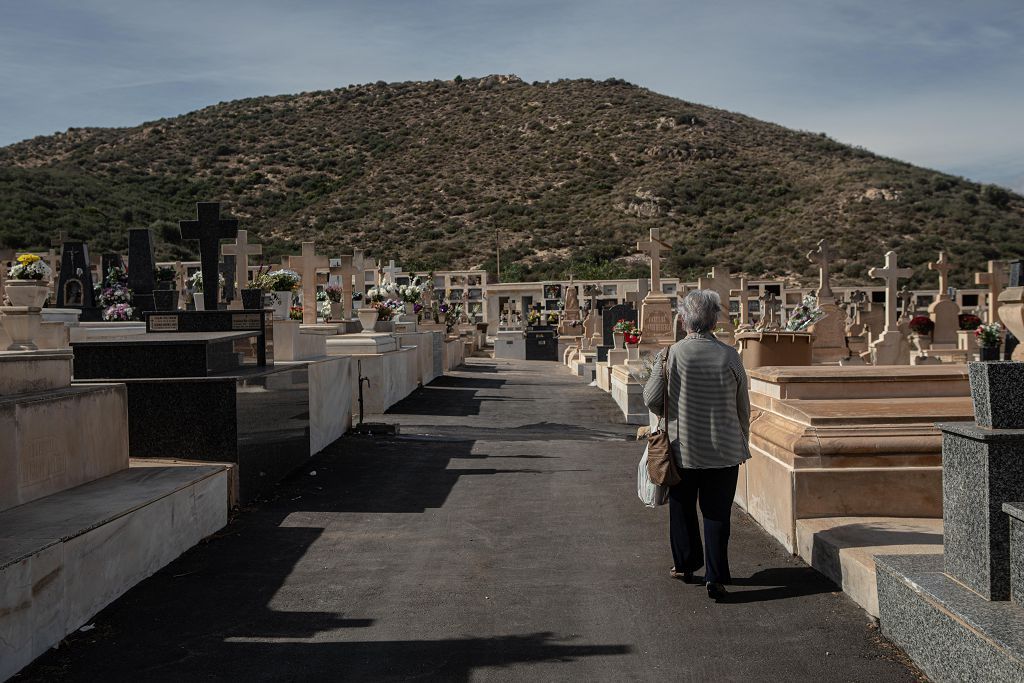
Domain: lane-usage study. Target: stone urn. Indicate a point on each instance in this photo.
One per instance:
(995, 388)
(199, 301)
(165, 299)
(337, 310)
(618, 339)
(22, 326)
(367, 318)
(30, 293)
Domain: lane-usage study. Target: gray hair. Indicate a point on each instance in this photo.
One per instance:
(700, 310)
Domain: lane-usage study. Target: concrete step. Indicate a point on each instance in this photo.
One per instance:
(949, 631)
(65, 557)
(844, 548)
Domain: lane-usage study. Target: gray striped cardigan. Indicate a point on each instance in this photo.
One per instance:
(708, 406)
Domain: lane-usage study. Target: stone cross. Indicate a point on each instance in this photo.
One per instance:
(943, 266)
(241, 250)
(892, 274)
(993, 279)
(822, 257)
(306, 266)
(392, 271)
(345, 272)
(209, 228)
(744, 296)
(653, 248)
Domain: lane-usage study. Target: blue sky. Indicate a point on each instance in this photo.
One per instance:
(934, 82)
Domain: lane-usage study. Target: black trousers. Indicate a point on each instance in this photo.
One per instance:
(715, 489)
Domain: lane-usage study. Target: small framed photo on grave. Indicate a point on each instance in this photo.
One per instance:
(610, 290)
(552, 291)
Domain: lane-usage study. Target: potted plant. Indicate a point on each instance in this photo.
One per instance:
(620, 330)
(27, 283)
(295, 313)
(164, 276)
(922, 327)
(989, 337)
(278, 285)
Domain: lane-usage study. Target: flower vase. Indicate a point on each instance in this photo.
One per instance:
(367, 318)
(30, 293)
(618, 339)
(281, 303)
(165, 299)
(988, 353)
(252, 299)
(337, 311)
(199, 301)
(22, 326)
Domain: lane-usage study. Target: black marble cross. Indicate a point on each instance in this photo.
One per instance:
(209, 229)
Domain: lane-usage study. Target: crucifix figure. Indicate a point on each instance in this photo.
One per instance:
(768, 320)
(906, 299)
(653, 248)
(241, 250)
(822, 257)
(891, 273)
(943, 266)
(209, 228)
(993, 279)
(744, 297)
(306, 266)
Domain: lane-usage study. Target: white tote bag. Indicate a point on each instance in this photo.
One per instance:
(650, 494)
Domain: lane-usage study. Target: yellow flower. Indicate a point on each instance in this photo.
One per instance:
(26, 259)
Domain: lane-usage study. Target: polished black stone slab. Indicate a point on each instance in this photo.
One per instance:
(161, 355)
(1016, 513)
(981, 470)
(996, 388)
(949, 631)
(259, 321)
(141, 271)
(257, 418)
(612, 315)
(541, 345)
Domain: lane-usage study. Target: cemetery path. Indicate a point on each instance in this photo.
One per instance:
(498, 538)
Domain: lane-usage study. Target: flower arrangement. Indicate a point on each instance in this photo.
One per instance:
(990, 334)
(295, 312)
(196, 281)
(283, 280)
(624, 326)
(323, 305)
(333, 293)
(552, 318)
(412, 293)
(116, 299)
(922, 324)
(805, 315)
(29, 267)
(968, 321)
(451, 313)
(633, 337)
(386, 310)
(164, 274)
(533, 318)
(385, 291)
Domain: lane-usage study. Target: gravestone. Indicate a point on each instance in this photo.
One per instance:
(993, 279)
(209, 229)
(944, 312)
(656, 310)
(887, 348)
(306, 266)
(227, 269)
(241, 250)
(75, 285)
(141, 269)
(829, 332)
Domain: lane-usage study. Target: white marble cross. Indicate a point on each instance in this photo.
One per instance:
(892, 274)
(241, 250)
(653, 248)
(392, 271)
(306, 266)
(993, 279)
(943, 266)
(822, 257)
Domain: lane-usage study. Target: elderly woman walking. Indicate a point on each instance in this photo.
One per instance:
(707, 418)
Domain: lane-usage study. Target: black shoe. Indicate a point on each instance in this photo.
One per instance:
(717, 592)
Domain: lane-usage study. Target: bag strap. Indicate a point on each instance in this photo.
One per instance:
(664, 391)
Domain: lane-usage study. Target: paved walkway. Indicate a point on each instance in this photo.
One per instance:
(499, 538)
